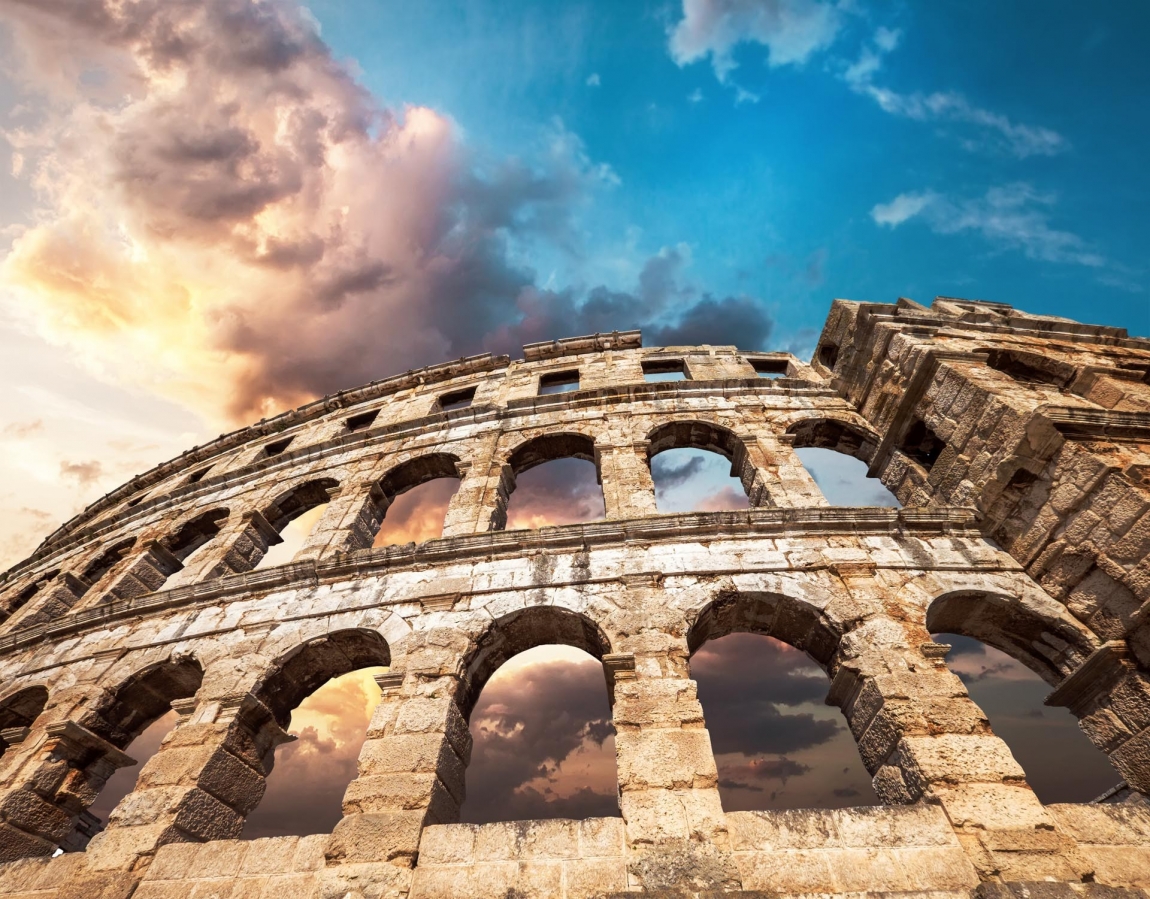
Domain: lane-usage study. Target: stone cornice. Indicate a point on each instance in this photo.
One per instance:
(1082, 423)
(750, 523)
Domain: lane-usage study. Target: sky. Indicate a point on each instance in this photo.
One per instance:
(214, 211)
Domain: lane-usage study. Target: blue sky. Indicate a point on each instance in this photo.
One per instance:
(774, 197)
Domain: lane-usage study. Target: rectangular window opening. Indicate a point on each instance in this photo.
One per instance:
(274, 449)
(558, 382)
(362, 421)
(922, 444)
(770, 368)
(829, 355)
(198, 476)
(135, 502)
(657, 370)
(459, 399)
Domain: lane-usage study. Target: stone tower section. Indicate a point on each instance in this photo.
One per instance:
(1018, 445)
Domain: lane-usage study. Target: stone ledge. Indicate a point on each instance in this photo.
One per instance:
(656, 529)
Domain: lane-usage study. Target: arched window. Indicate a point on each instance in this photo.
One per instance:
(196, 533)
(323, 694)
(20, 598)
(135, 719)
(20, 710)
(837, 457)
(759, 661)
(693, 468)
(535, 695)
(293, 516)
(414, 498)
(555, 481)
(1060, 762)
(107, 562)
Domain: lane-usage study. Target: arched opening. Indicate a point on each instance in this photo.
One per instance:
(195, 534)
(536, 699)
(555, 481)
(135, 719)
(20, 598)
(760, 664)
(414, 498)
(294, 515)
(323, 694)
(1060, 762)
(836, 455)
(693, 466)
(18, 711)
(1009, 654)
(106, 563)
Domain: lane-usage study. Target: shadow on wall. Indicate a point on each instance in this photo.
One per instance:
(1060, 762)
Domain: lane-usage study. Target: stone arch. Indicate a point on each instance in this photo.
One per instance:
(307, 667)
(519, 631)
(1048, 643)
(20, 597)
(102, 565)
(789, 620)
(535, 451)
(19, 709)
(700, 434)
(848, 438)
(402, 477)
(195, 532)
(292, 503)
(143, 696)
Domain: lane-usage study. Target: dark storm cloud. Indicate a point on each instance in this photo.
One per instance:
(525, 727)
(668, 474)
(564, 491)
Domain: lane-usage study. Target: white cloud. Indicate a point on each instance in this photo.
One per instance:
(998, 131)
(791, 30)
(901, 208)
(1015, 216)
(695, 96)
(593, 80)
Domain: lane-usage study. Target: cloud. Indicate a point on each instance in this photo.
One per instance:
(564, 491)
(671, 470)
(593, 80)
(1014, 217)
(791, 30)
(23, 429)
(84, 473)
(997, 130)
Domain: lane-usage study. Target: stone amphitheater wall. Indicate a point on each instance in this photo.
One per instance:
(151, 600)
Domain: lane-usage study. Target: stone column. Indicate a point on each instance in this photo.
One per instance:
(668, 781)
(52, 773)
(625, 475)
(1111, 698)
(208, 775)
(350, 522)
(480, 503)
(237, 548)
(775, 476)
(146, 572)
(411, 767)
(923, 738)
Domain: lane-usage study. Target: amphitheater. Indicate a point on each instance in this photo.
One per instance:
(1018, 445)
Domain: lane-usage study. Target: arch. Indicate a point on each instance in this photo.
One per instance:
(549, 447)
(193, 534)
(143, 697)
(99, 567)
(694, 434)
(299, 499)
(20, 598)
(417, 471)
(1048, 644)
(519, 631)
(790, 620)
(20, 709)
(833, 434)
(306, 668)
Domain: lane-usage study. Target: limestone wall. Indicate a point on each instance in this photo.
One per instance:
(150, 601)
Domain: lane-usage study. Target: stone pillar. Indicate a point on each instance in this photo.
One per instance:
(411, 770)
(208, 775)
(237, 548)
(1111, 698)
(52, 774)
(668, 781)
(480, 503)
(625, 475)
(775, 476)
(54, 601)
(923, 738)
(350, 522)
